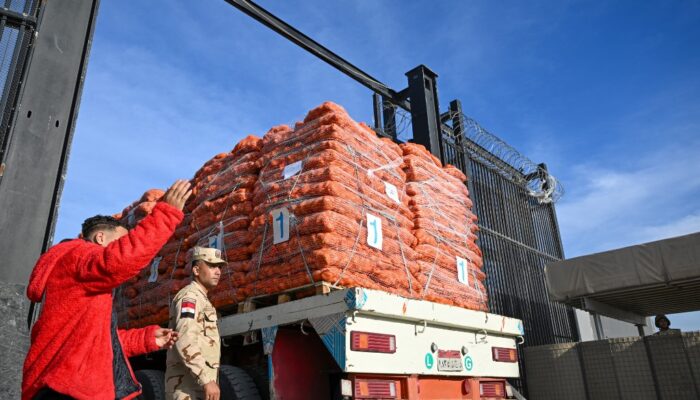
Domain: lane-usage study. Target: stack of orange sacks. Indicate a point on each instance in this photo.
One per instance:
(221, 213)
(132, 302)
(325, 201)
(445, 228)
(322, 185)
(218, 215)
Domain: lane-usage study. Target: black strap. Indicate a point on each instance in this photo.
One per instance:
(30, 315)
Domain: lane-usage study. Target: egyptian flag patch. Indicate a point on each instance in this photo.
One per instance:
(187, 309)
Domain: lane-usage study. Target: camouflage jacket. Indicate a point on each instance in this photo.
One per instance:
(195, 357)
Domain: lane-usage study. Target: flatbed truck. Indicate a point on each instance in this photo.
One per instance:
(357, 343)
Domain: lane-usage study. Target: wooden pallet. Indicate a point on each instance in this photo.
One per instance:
(256, 302)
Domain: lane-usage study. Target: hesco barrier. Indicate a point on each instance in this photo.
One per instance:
(652, 367)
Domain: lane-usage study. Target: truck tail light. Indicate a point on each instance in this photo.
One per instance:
(372, 342)
(504, 354)
(495, 389)
(375, 389)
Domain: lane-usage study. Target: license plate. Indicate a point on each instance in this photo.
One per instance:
(449, 360)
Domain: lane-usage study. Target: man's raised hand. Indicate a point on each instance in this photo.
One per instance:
(178, 194)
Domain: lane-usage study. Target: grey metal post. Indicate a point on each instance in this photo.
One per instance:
(598, 324)
(43, 114)
(640, 330)
(377, 109)
(44, 120)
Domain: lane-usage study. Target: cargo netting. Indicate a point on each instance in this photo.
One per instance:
(325, 201)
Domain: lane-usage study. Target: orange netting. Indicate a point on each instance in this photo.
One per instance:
(337, 186)
(450, 261)
(219, 210)
(358, 211)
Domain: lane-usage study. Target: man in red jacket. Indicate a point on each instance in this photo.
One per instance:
(76, 349)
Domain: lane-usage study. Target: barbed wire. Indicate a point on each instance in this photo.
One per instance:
(534, 177)
(487, 148)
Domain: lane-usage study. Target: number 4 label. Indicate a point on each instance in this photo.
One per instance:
(280, 225)
(462, 270)
(217, 241)
(392, 192)
(374, 231)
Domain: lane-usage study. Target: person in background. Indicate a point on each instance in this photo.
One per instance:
(76, 350)
(663, 323)
(192, 365)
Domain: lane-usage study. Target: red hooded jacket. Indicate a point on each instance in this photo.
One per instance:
(71, 348)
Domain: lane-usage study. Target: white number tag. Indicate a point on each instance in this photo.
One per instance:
(154, 269)
(392, 192)
(280, 225)
(291, 170)
(374, 231)
(217, 241)
(463, 270)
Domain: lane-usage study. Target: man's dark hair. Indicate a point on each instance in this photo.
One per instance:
(100, 222)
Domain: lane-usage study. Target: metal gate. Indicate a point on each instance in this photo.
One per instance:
(18, 21)
(518, 230)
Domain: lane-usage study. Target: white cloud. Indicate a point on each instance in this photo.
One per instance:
(606, 208)
(682, 226)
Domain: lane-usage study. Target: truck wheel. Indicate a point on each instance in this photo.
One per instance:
(236, 384)
(153, 384)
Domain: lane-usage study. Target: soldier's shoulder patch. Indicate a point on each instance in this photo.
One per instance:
(188, 307)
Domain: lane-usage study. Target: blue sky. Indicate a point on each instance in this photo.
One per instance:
(606, 93)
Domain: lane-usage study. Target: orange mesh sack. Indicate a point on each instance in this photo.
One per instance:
(323, 201)
(449, 260)
(218, 214)
(330, 205)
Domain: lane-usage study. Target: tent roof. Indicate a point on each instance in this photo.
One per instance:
(645, 279)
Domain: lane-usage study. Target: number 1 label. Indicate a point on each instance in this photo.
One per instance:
(462, 270)
(374, 231)
(280, 225)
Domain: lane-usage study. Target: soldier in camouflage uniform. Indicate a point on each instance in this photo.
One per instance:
(193, 363)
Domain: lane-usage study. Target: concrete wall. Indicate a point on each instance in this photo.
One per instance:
(14, 307)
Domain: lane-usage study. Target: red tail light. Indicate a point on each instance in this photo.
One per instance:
(495, 389)
(375, 389)
(372, 342)
(503, 354)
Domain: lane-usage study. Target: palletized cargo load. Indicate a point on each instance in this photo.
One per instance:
(324, 201)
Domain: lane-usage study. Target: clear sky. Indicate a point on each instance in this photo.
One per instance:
(606, 93)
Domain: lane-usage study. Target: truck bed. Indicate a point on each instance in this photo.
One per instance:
(424, 334)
